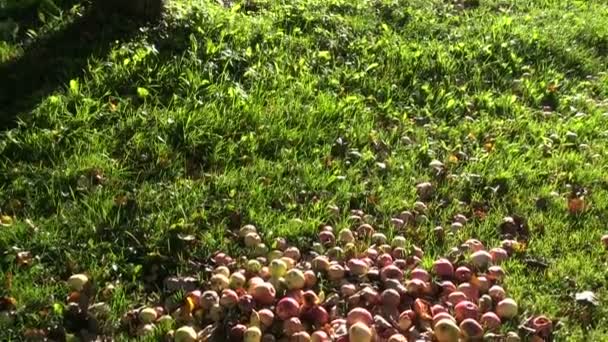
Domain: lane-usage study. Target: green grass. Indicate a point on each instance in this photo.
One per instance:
(222, 116)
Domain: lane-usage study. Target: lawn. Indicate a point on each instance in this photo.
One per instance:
(131, 154)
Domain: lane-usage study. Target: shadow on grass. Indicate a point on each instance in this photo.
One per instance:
(51, 61)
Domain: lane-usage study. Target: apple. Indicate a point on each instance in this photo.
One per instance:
(466, 309)
(490, 321)
(469, 290)
(495, 273)
(310, 279)
(359, 315)
(498, 255)
(442, 315)
(222, 270)
(481, 259)
(506, 308)
(319, 336)
(247, 229)
(237, 332)
(185, 334)
(252, 334)
(293, 253)
(278, 268)
(471, 329)
(457, 297)
(208, 299)
(360, 332)
(390, 298)
(292, 325)
(357, 267)
(474, 245)
(391, 272)
(399, 241)
(335, 272)
(264, 293)
(463, 274)
(384, 259)
(348, 289)
(219, 282)
(327, 238)
(237, 280)
(78, 281)
(301, 336)
(497, 293)
(252, 240)
(287, 307)
(443, 268)
(320, 263)
(446, 330)
(542, 326)
(148, 315)
(406, 320)
(294, 279)
(345, 236)
(315, 315)
(422, 274)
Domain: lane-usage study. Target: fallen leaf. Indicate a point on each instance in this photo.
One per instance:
(6, 220)
(587, 298)
(576, 205)
(7, 303)
(24, 258)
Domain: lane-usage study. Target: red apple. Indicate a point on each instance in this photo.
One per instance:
(457, 297)
(438, 308)
(406, 320)
(319, 336)
(237, 332)
(391, 272)
(315, 315)
(469, 290)
(292, 325)
(542, 326)
(498, 255)
(474, 245)
(310, 279)
(490, 321)
(293, 253)
(229, 298)
(348, 289)
(471, 329)
(358, 267)
(442, 315)
(327, 238)
(359, 315)
(384, 259)
(390, 298)
(422, 274)
(264, 293)
(301, 336)
(320, 263)
(463, 274)
(287, 307)
(497, 293)
(466, 309)
(443, 268)
(335, 272)
(481, 259)
(495, 273)
(266, 318)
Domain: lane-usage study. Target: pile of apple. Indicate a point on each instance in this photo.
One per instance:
(353, 285)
